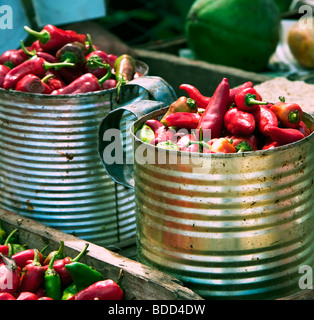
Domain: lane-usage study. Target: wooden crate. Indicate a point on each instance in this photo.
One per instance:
(139, 282)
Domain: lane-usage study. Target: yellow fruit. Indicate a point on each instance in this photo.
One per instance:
(301, 42)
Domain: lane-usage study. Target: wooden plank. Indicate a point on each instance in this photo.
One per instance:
(140, 282)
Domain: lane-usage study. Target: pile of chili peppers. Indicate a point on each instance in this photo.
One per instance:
(230, 121)
(27, 274)
(63, 62)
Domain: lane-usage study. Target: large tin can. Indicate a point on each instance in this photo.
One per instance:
(230, 226)
(50, 170)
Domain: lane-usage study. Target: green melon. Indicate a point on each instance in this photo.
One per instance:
(237, 33)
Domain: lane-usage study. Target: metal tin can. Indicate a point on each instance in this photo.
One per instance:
(50, 169)
(230, 226)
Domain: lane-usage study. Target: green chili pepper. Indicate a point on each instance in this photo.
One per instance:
(146, 133)
(16, 247)
(243, 146)
(124, 68)
(52, 281)
(69, 291)
(83, 275)
(3, 234)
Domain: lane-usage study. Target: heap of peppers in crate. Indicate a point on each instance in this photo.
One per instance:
(230, 121)
(63, 62)
(27, 274)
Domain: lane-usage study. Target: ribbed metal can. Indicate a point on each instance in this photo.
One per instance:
(50, 169)
(230, 226)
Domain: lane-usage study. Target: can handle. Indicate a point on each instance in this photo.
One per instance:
(114, 139)
(114, 136)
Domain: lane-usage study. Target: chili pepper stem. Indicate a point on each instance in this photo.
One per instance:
(57, 65)
(78, 257)
(90, 44)
(43, 36)
(29, 53)
(294, 116)
(10, 236)
(94, 60)
(105, 77)
(47, 77)
(44, 248)
(251, 99)
(203, 143)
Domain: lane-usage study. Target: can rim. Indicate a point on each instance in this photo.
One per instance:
(140, 66)
(159, 112)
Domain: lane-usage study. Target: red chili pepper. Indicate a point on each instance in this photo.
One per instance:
(37, 66)
(36, 46)
(6, 296)
(69, 74)
(264, 117)
(304, 129)
(52, 38)
(289, 114)
(248, 99)
(9, 274)
(3, 72)
(32, 275)
(85, 83)
(234, 91)
(27, 296)
(184, 142)
(283, 135)
(101, 290)
(53, 80)
(161, 132)
(184, 120)
(109, 84)
(270, 144)
(40, 292)
(22, 257)
(33, 84)
(239, 122)
(13, 57)
(201, 100)
(112, 59)
(4, 249)
(31, 53)
(213, 116)
(96, 63)
(243, 143)
(44, 298)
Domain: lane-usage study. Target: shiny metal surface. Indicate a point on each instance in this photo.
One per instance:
(50, 169)
(239, 228)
